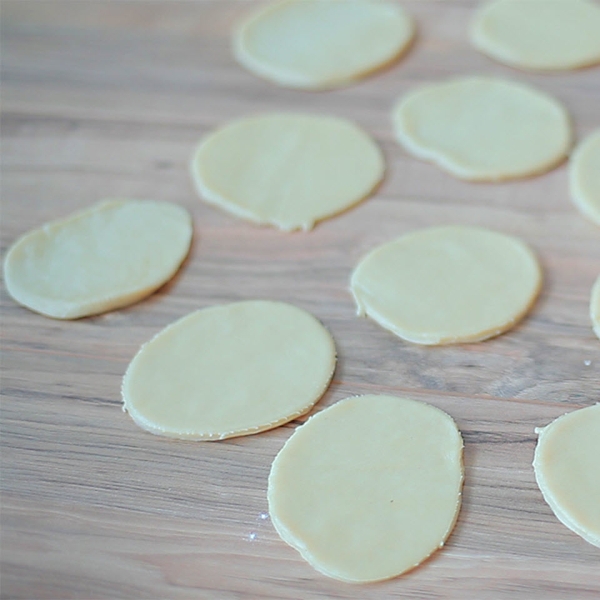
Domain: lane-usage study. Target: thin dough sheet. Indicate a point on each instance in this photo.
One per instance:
(445, 285)
(229, 370)
(288, 170)
(321, 44)
(484, 128)
(567, 470)
(105, 257)
(368, 488)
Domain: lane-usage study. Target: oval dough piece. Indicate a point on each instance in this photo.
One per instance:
(319, 44)
(584, 174)
(446, 285)
(595, 307)
(229, 370)
(288, 170)
(368, 488)
(539, 34)
(567, 470)
(483, 129)
(105, 257)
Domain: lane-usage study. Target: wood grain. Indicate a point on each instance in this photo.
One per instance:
(104, 99)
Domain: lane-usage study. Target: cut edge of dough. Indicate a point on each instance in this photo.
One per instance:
(150, 427)
(498, 52)
(64, 310)
(223, 204)
(363, 310)
(284, 78)
(544, 488)
(301, 548)
(458, 169)
(578, 196)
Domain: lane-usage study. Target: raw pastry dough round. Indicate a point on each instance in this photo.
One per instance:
(445, 285)
(584, 172)
(567, 470)
(102, 258)
(595, 307)
(368, 488)
(288, 170)
(539, 34)
(484, 129)
(319, 44)
(229, 370)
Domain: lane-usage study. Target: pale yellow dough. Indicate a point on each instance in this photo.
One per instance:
(595, 307)
(102, 258)
(448, 284)
(368, 488)
(287, 170)
(483, 129)
(584, 174)
(567, 470)
(539, 34)
(229, 370)
(319, 44)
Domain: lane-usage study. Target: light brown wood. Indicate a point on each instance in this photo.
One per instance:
(106, 99)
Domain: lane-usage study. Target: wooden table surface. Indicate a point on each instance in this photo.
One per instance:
(108, 98)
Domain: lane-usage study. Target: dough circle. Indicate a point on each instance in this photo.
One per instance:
(567, 470)
(584, 175)
(105, 257)
(595, 307)
(368, 488)
(446, 285)
(229, 370)
(320, 44)
(483, 129)
(539, 34)
(288, 170)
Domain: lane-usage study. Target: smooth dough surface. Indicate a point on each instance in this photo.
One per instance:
(584, 175)
(483, 129)
(108, 256)
(229, 370)
(539, 34)
(567, 470)
(368, 488)
(448, 284)
(287, 170)
(595, 307)
(319, 44)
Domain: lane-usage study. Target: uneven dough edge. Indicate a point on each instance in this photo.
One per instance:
(62, 310)
(285, 79)
(225, 205)
(554, 505)
(295, 543)
(363, 310)
(150, 427)
(578, 195)
(458, 169)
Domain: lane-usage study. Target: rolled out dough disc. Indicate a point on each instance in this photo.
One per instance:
(102, 258)
(483, 129)
(446, 285)
(368, 488)
(288, 170)
(539, 34)
(567, 470)
(229, 370)
(584, 174)
(595, 307)
(319, 44)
